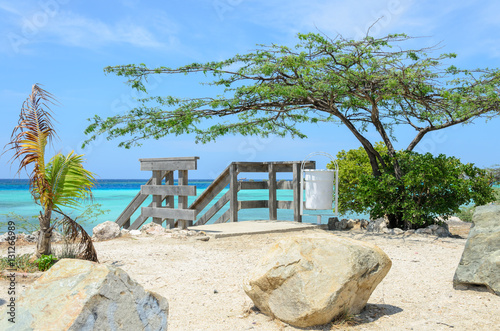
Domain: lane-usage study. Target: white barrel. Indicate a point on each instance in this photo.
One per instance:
(319, 188)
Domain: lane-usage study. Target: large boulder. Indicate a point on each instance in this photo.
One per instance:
(105, 231)
(83, 295)
(480, 262)
(309, 280)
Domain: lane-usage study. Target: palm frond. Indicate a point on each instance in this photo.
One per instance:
(76, 234)
(69, 181)
(29, 138)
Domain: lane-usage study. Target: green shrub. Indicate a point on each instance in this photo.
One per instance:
(431, 186)
(45, 262)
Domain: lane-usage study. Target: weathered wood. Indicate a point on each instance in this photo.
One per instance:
(283, 204)
(126, 225)
(211, 191)
(261, 185)
(163, 212)
(169, 199)
(233, 188)
(284, 185)
(183, 200)
(273, 206)
(296, 193)
(132, 207)
(286, 166)
(169, 190)
(214, 209)
(224, 217)
(159, 164)
(157, 199)
(250, 204)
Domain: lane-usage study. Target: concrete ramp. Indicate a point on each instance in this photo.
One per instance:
(231, 229)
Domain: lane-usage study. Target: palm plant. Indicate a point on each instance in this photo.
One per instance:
(62, 182)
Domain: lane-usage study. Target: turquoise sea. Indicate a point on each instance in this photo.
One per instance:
(115, 194)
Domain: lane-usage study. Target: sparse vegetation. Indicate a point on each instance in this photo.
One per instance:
(21, 263)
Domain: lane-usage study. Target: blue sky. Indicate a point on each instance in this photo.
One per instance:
(65, 44)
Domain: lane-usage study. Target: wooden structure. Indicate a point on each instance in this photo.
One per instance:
(163, 169)
(230, 176)
(185, 216)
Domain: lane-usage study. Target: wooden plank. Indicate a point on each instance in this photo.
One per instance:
(279, 166)
(285, 204)
(169, 199)
(250, 204)
(183, 200)
(126, 225)
(163, 212)
(273, 206)
(224, 217)
(284, 185)
(157, 198)
(211, 191)
(233, 188)
(132, 207)
(168, 165)
(214, 209)
(169, 190)
(261, 185)
(296, 192)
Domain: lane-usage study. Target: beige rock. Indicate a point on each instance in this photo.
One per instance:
(309, 280)
(83, 295)
(153, 229)
(105, 231)
(480, 262)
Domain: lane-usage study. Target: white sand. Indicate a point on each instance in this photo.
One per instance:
(203, 282)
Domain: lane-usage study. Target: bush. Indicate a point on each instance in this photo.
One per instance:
(21, 263)
(430, 186)
(45, 262)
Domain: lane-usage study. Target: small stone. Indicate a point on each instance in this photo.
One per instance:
(397, 231)
(135, 232)
(205, 238)
(105, 231)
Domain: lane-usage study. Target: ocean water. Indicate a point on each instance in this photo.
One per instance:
(115, 195)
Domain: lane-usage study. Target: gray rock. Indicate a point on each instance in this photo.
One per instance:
(105, 231)
(424, 231)
(332, 223)
(377, 225)
(83, 295)
(480, 262)
(308, 280)
(397, 231)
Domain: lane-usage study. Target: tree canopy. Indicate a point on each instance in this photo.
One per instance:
(368, 84)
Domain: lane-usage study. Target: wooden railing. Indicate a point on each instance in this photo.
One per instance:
(230, 176)
(183, 216)
(163, 168)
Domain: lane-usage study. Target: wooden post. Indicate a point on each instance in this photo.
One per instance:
(273, 204)
(296, 193)
(126, 225)
(183, 200)
(233, 187)
(170, 200)
(157, 176)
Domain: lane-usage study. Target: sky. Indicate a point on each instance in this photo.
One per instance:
(65, 44)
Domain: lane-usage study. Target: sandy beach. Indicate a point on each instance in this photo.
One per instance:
(203, 282)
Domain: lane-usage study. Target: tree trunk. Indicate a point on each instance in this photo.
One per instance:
(43, 246)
